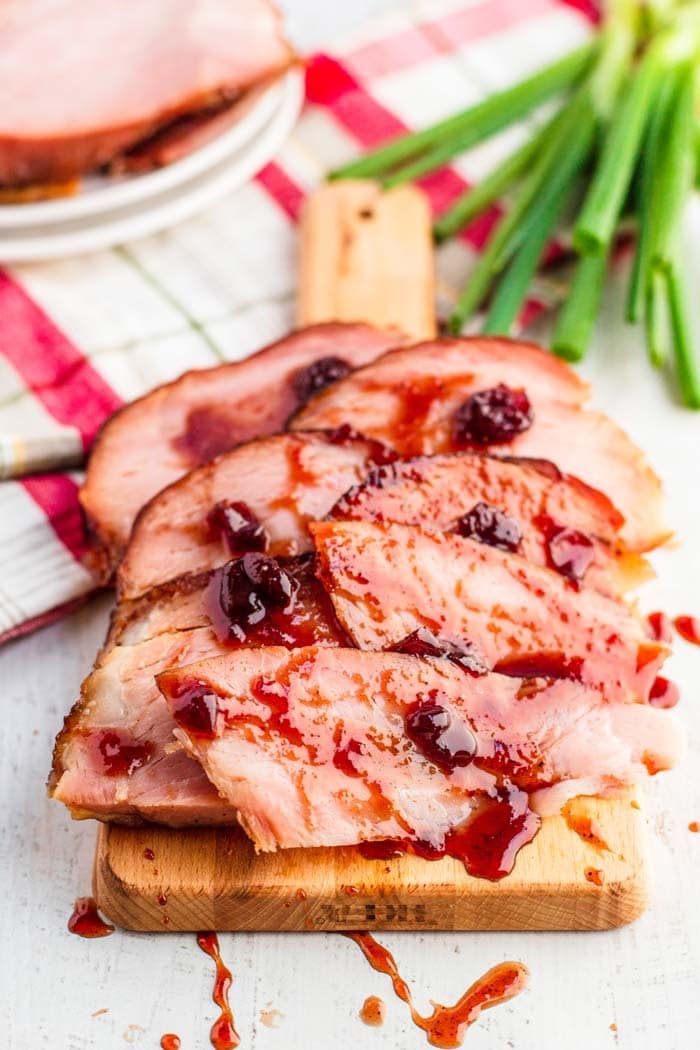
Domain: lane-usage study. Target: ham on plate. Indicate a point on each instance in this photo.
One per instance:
(414, 398)
(387, 581)
(547, 512)
(329, 747)
(83, 82)
(281, 482)
(156, 439)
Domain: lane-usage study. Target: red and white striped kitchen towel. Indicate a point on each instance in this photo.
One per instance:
(80, 337)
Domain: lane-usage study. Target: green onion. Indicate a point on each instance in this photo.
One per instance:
(478, 122)
(480, 197)
(656, 318)
(562, 157)
(601, 209)
(686, 360)
(512, 288)
(572, 332)
(652, 158)
(632, 112)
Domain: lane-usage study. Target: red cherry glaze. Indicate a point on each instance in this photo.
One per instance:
(317, 376)
(492, 417)
(664, 692)
(569, 551)
(688, 627)
(445, 741)
(196, 708)
(422, 642)
(86, 921)
(343, 758)
(378, 453)
(121, 753)
(660, 627)
(545, 664)
(223, 1033)
(238, 527)
(446, 1026)
(490, 525)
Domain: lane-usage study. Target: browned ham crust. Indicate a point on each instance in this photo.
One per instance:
(437, 491)
(409, 399)
(156, 439)
(286, 481)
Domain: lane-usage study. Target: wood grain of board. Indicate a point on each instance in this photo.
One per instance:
(211, 878)
(367, 255)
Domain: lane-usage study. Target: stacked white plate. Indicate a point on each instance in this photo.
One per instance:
(111, 210)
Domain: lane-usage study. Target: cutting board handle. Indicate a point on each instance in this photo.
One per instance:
(366, 254)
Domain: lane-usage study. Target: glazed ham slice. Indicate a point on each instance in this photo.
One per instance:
(155, 440)
(388, 581)
(282, 482)
(116, 758)
(332, 747)
(84, 82)
(470, 493)
(419, 400)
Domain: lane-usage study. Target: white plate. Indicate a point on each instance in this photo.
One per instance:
(172, 206)
(102, 193)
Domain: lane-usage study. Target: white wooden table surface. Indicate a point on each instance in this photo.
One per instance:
(65, 993)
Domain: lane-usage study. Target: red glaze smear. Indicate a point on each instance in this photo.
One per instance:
(197, 708)
(170, 1041)
(688, 627)
(121, 754)
(379, 453)
(149, 854)
(446, 1026)
(545, 664)
(595, 875)
(307, 619)
(235, 523)
(487, 844)
(372, 1011)
(664, 692)
(569, 551)
(660, 627)
(223, 1035)
(86, 920)
(587, 828)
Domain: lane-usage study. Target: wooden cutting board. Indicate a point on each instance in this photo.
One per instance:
(367, 255)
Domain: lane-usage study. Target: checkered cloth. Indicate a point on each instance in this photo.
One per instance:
(81, 336)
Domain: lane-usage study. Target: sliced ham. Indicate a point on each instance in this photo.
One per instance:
(284, 481)
(84, 82)
(155, 440)
(410, 400)
(438, 491)
(387, 581)
(322, 748)
(116, 757)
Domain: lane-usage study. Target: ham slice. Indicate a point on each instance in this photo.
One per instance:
(116, 758)
(155, 440)
(284, 481)
(409, 400)
(438, 491)
(85, 82)
(322, 747)
(387, 581)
